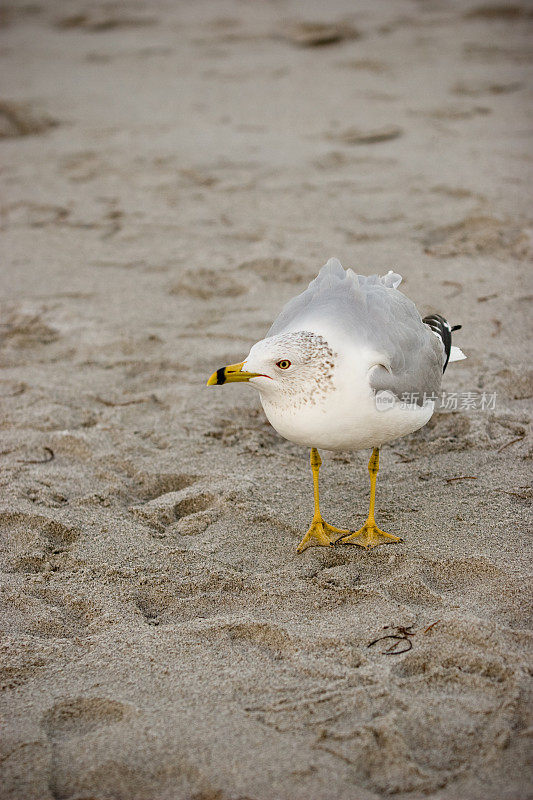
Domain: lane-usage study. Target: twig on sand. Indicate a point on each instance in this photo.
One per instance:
(391, 651)
(513, 441)
(401, 636)
(49, 457)
(521, 495)
(462, 478)
(404, 459)
(429, 627)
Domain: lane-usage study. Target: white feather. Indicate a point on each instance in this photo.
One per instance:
(456, 354)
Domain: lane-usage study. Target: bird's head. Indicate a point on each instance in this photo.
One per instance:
(299, 363)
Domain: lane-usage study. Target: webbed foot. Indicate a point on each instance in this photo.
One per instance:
(321, 534)
(369, 536)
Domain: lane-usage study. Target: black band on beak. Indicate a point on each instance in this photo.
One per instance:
(221, 377)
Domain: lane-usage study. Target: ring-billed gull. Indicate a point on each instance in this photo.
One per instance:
(334, 372)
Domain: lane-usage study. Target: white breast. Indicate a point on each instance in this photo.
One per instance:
(346, 417)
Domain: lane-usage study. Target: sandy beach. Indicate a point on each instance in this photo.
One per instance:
(172, 173)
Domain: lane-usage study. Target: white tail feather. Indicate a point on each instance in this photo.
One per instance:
(456, 354)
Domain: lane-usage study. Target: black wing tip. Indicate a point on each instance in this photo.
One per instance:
(442, 328)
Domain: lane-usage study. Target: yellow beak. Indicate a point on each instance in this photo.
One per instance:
(231, 374)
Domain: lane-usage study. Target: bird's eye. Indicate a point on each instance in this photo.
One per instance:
(283, 364)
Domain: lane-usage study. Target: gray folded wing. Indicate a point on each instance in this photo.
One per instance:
(372, 313)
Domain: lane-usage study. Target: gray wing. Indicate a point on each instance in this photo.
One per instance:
(416, 361)
(375, 314)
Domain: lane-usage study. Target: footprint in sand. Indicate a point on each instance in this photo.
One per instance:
(150, 485)
(185, 513)
(206, 284)
(281, 270)
(478, 236)
(271, 639)
(80, 760)
(21, 119)
(96, 18)
(35, 543)
(81, 716)
(50, 613)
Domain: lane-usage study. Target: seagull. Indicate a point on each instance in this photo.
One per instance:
(348, 364)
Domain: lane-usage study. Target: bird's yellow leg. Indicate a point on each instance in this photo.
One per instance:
(370, 535)
(319, 533)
